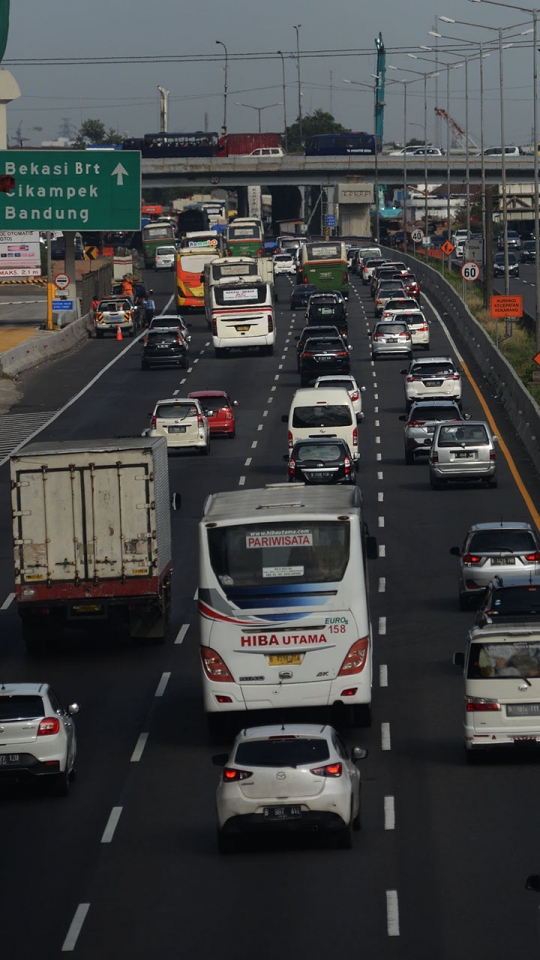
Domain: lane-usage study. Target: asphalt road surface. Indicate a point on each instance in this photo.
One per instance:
(127, 866)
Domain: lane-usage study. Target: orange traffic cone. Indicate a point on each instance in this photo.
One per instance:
(119, 333)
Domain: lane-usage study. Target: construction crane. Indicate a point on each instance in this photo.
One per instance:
(458, 133)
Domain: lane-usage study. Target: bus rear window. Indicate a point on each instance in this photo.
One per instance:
(241, 233)
(323, 251)
(251, 555)
(234, 270)
(228, 296)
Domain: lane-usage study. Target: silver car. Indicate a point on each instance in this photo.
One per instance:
(432, 378)
(387, 290)
(392, 338)
(463, 452)
(420, 425)
(508, 548)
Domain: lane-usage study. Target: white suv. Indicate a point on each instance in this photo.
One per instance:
(182, 421)
(38, 736)
(284, 263)
(432, 378)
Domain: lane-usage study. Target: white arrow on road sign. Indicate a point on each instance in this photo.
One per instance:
(119, 172)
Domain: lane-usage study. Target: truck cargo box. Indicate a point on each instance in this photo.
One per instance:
(242, 144)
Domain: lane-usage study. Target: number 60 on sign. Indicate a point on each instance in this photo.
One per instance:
(470, 271)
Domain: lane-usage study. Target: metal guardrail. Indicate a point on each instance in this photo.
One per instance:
(522, 411)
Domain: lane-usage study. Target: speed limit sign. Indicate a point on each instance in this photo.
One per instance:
(417, 236)
(470, 271)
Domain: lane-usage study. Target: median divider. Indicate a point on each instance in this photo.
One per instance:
(45, 345)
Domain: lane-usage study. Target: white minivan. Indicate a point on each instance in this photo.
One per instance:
(501, 670)
(322, 412)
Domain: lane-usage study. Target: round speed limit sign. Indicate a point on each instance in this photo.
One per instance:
(470, 271)
(417, 236)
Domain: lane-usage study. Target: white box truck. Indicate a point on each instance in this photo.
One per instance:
(92, 536)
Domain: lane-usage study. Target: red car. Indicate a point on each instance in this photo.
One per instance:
(219, 411)
(412, 287)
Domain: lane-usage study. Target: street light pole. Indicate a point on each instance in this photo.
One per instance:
(284, 101)
(259, 110)
(297, 28)
(224, 127)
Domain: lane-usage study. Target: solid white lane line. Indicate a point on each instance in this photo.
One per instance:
(261, 425)
(380, 496)
(76, 925)
(383, 675)
(8, 601)
(382, 550)
(381, 521)
(379, 475)
(196, 594)
(162, 685)
(389, 814)
(392, 911)
(386, 742)
(182, 632)
(382, 626)
(139, 747)
(241, 481)
(112, 824)
(248, 461)
(382, 584)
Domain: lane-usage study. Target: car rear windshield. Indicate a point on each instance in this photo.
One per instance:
(395, 327)
(260, 554)
(389, 288)
(322, 415)
(220, 271)
(432, 370)
(211, 404)
(399, 304)
(161, 322)
(244, 232)
(162, 336)
(468, 434)
(282, 751)
(516, 601)
(20, 707)
(501, 661)
(488, 541)
(113, 306)
(165, 251)
(340, 384)
(176, 411)
(318, 451)
(283, 258)
(318, 310)
(435, 413)
(324, 343)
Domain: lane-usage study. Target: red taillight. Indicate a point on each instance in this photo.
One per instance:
(222, 699)
(306, 353)
(153, 422)
(413, 379)
(347, 465)
(179, 340)
(378, 336)
(349, 692)
(493, 457)
(145, 340)
(345, 277)
(290, 438)
(270, 323)
(214, 328)
(214, 667)
(292, 467)
(454, 376)
(405, 334)
(470, 558)
(482, 706)
(200, 420)
(342, 353)
(416, 423)
(355, 437)
(260, 252)
(48, 727)
(533, 556)
(356, 658)
(230, 775)
(379, 300)
(355, 395)
(434, 457)
(330, 770)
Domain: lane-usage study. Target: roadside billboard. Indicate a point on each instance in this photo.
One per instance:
(20, 254)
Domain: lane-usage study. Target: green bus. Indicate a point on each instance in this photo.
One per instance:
(325, 265)
(158, 233)
(244, 239)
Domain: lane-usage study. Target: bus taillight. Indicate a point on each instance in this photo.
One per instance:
(356, 658)
(214, 328)
(270, 323)
(214, 667)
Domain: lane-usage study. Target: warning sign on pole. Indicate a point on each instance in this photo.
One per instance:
(505, 308)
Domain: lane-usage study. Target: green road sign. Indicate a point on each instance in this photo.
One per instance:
(71, 190)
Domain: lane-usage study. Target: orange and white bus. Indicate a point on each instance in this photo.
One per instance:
(190, 264)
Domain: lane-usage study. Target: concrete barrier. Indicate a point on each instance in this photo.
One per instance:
(45, 345)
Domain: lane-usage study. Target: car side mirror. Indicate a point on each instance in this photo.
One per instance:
(73, 708)
(284, 418)
(349, 347)
(495, 439)
(285, 458)
(403, 371)
(466, 416)
(358, 753)
(455, 551)
(459, 659)
(235, 403)
(176, 501)
(220, 759)
(297, 338)
(533, 883)
(403, 417)
(363, 389)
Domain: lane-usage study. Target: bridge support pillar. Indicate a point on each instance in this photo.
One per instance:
(355, 202)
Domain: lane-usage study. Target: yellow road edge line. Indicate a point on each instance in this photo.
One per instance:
(508, 456)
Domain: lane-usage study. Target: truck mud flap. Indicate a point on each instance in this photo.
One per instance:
(148, 624)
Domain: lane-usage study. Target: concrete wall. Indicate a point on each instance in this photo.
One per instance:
(45, 345)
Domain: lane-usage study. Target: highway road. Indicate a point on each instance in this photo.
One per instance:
(127, 868)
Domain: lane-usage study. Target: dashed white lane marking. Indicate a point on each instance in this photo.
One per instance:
(190, 369)
(373, 372)
(76, 925)
(182, 633)
(288, 340)
(175, 392)
(207, 344)
(276, 376)
(112, 824)
(376, 411)
(382, 584)
(254, 444)
(377, 423)
(139, 747)
(386, 742)
(162, 685)
(382, 550)
(375, 396)
(241, 481)
(248, 462)
(182, 381)
(196, 594)
(280, 366)
(270, 400)
(380, 496)
(201, 352)
(195, 361)
(374, 384)
(261, 425)
(379, 456)
(389, 814)
(379, 475)
(380, 521)
(272, 388)
(377, 439)
(8, 601)
(383, 675)
(392, 913)
(382, 626)
(265, 413)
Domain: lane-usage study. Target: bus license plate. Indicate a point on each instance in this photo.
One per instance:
(288, 812)
(278, 659)
(243, 329)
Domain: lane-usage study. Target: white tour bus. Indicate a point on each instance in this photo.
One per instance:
(243, 315)
(283, 604)
(225, 268)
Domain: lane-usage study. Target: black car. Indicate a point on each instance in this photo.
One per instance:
(509, 600)
(528, 252)
(301, 295)
(164, 348)
(498, 265)
(323, 355)
(326, 308)
(321, 461)
(324, 330)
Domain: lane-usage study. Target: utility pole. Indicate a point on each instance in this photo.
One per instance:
(297, 28)
(163, 109)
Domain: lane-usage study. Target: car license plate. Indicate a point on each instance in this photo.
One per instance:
(288, 812)
(176, 429)
(464, 454)
(243, 328)
(325, 359)
(391, 339)
(523, 709)
(87, 608)
(9, 759)
(317, 474)
(278, 659)
(503, 561)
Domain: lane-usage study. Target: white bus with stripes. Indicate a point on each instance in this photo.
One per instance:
(243, 315)
(283, 601)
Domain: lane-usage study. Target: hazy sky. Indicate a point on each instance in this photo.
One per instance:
(125, 96)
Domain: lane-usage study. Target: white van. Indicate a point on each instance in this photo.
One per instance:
(267, 152)
(501, 669)
(322, 412)
(498, 152)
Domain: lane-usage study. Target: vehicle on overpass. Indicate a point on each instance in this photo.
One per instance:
(156, 234)
(342, 144)
(325, 266)
(198, 144)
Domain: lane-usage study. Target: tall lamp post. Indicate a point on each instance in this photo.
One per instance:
(405, 84)
(284, 100)
(259, 109)
(534, 13)
(224, 127)
(297, 28)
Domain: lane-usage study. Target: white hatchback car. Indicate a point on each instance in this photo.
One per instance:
(182, 421)
(165, 258)
(38, 736)
(288, 777)
(350, 385)
(284, 263)
(432, 378)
